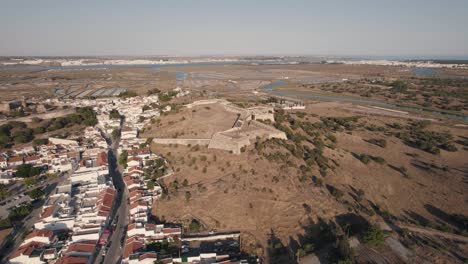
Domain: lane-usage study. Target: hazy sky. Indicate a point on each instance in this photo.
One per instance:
(234, 27)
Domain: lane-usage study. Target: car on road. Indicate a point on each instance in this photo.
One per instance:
(218, 244)
(234, 244)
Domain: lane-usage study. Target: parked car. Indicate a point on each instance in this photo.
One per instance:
(218, 243)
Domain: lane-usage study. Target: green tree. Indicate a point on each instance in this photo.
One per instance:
(27, 170)
(300, 253)
(3, 192)
(19, 212)
(5, 223)
(51, 176)
(153, 91)
(194, 226)
(150, 185)
(114, 114)
(30, 181)
(115, 133)
(374, 236)
(128, 94)
(123, 158)
(36, 194)
(40, 141)
(344, 249)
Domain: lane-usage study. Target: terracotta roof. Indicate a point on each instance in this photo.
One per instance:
(135, 205)
(27, 249)
(15, 159)
(48, 211)
(149, 226)
(135, 169)
(132, 245)
(103, 213)
(81, 247)
(127, 129)
(139, 151)
(134, 159)
(50, 251)
(131, 182)
(147, 256)
(102, 158)
(131, 226)
(31, 158)
(168, 230)
(135, 193)
(2, 159)
(72, 260)
(40, 233)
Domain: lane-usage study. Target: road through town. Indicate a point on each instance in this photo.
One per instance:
(111, 253)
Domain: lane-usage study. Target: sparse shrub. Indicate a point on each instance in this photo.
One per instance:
(374, 236)
(379, 142)
(188, 195)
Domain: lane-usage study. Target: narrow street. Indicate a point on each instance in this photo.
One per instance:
(111, 253)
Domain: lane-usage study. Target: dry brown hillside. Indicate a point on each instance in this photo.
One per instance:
(352, 169)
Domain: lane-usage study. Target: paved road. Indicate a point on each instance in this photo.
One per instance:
(119, 214)
(18, 189)
(27, 224)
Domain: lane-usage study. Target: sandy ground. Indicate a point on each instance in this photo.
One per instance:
(196, 122)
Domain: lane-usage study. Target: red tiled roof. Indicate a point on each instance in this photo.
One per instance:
(40, 233)
(104, 203)
(135, 205)
(127, 129)
(15, 159)
(48, 211)
(72, 260)
(147, 255)
(168, 230)
(140, 151)
(135, 193)
(31, 158)
(49, 251)
(81, 247)
(132, 245)
(27, 249)
(102, 158)
(133, 159)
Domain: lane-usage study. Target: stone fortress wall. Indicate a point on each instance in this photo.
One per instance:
(244, 131)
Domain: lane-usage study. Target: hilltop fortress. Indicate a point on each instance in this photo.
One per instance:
(245, 129)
